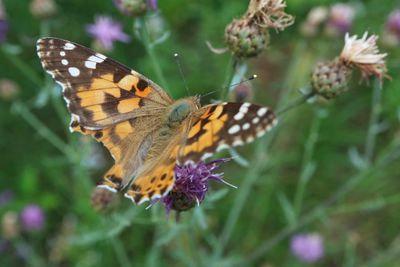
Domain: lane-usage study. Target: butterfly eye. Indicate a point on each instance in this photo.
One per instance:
(179, 113)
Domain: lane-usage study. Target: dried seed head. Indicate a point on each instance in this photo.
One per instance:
(364, 55)
(102, 199)
(248, 36)
(330, 79)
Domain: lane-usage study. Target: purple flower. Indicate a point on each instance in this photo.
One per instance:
(106, 31)
(152, 4)
(393, 23)
(32, 217)
(307, 247)
(340, 18)
(4, 27)
(191, 184)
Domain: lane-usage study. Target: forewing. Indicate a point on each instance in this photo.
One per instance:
(98, 90)
(225, 125)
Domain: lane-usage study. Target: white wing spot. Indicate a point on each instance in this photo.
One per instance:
(262, 111)
(64, 62)
(237, 142)
(90, 64)
(255, 120)
(234, 129)
(69, 46)
(250, 139)
(246, 126)
(74, 71)
(222, 146)
(239, 116)
(101, 56)
(62, 53)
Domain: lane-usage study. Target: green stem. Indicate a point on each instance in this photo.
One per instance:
(373, 122)
(230, 73)
(120, 252)
(257, 161)
(316, 212)
(152, 56)
(24, 68)
(308, 166)
(42, 129)
(297, 102)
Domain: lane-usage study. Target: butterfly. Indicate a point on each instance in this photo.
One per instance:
(144, 129)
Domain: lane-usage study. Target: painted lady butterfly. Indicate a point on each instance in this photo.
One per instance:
(145, 130)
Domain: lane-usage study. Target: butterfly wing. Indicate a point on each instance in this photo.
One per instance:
(224, 125)
(98, 90)
(116, 105)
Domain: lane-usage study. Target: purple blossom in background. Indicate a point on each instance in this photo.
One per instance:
(152, 4)
(191, 184)
(107, 31)
(307, 247)
(32, 217)
(393, 23)
(4, 27)
(6, 197)
(341, 18)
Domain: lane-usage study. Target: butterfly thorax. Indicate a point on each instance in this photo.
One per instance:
(179, 111)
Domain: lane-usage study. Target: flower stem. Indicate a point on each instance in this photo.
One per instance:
(120, 252)
(257, 163)
(373, 122)
(230, 73)
(299, 101)
(321, 209)
(42, 130)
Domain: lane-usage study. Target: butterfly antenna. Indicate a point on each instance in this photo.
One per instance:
(252, 77)
(178, 62)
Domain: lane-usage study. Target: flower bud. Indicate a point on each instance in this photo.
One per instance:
(10, 227)
(330, 79)
(135, 7)
(248, 36)
(102, 199)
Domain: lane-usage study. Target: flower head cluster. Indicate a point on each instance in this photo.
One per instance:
(307, 247)
(248, 36)
(106, 31)
(393, 23)
(135, 7)
(191, 184)
(330, 79)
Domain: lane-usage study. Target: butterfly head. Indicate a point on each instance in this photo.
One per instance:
(181, 109)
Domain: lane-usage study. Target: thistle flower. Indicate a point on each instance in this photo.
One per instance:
(32, 218)
(9, 225)
(43, 9)
(135, 7)
(307, 247)
(314, 19)
(330, 79)
(106, 31)
(364, 54)
(393, 23)
(248, 36)
(8, 89)
(191, 184)
(340, 19)
(243, 92)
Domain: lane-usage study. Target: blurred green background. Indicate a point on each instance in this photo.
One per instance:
(330, 167)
